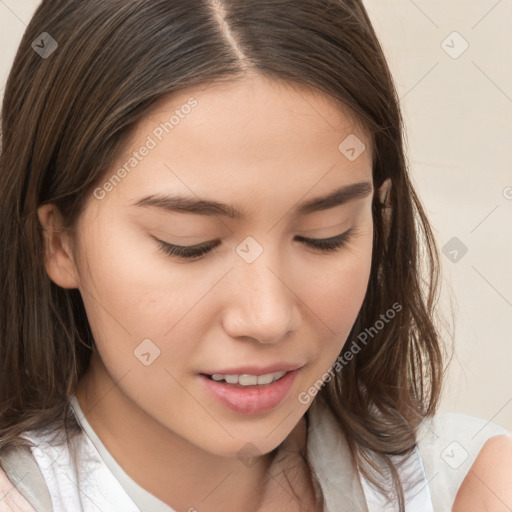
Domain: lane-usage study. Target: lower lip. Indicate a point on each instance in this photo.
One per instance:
(252, 399)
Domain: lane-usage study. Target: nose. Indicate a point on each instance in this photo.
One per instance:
(262, 305)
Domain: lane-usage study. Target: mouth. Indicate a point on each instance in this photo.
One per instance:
(246, 380)
(249, 393)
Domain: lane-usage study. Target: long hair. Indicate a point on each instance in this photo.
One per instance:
(85, 73)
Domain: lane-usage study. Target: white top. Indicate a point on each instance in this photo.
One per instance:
(82, 476)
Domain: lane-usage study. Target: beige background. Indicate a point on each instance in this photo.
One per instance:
(458, 114)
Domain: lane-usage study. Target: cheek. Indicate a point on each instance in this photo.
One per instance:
(129, 289)
(335, 293)
(336, 289)
(134, 308)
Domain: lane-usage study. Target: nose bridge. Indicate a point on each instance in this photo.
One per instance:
(262, 305)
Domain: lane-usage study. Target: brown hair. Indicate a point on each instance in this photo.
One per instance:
(65, 118)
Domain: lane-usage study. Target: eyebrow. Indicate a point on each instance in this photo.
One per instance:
(182, 204)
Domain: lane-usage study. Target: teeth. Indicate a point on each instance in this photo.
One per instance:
(231, 379)
(248, 380)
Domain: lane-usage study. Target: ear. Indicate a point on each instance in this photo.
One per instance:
(384, 197)
(59, 261)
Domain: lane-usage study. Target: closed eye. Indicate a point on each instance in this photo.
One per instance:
(325, 245)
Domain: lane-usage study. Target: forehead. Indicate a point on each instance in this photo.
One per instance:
(254, 135)
(252, 106)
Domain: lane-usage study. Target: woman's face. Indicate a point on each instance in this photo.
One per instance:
(262, 300)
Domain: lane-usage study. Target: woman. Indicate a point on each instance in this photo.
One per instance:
(213, 294)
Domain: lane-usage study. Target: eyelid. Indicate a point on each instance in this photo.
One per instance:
(325, 245)
(331, 226)
(196, 246)
(326, 239)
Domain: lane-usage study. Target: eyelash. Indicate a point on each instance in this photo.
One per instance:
(324, 245)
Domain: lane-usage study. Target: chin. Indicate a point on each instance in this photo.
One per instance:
(243, 447)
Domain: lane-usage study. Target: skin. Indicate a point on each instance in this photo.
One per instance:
(262, 146)
(488, 484)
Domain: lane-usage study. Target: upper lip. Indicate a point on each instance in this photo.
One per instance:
(256, 370)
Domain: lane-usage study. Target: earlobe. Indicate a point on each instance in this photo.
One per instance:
(59, 261)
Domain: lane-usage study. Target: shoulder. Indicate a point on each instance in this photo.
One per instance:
(488, 484)
(450, 445)
(10, 498)
(26, 471)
